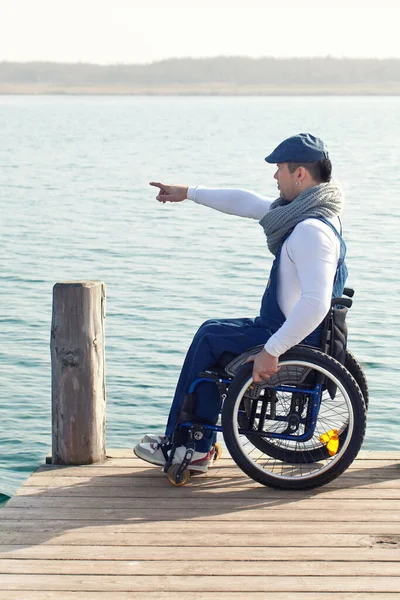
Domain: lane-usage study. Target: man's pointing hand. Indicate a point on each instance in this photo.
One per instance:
(170, 193)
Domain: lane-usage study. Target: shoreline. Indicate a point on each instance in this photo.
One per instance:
(211, 89)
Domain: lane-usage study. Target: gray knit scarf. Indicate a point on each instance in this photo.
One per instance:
(323, 200)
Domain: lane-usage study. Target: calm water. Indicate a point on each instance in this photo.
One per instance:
(75, 204)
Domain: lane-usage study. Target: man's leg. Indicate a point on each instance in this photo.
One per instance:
(186, 378)
(210, 342)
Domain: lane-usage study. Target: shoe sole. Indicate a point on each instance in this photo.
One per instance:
(193, 468)
(198, 469)
(146, 459)
(195, 472)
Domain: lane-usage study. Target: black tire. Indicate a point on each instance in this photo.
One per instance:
(356, 370)
(346, 410)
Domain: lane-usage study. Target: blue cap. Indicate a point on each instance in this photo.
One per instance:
(300, 148)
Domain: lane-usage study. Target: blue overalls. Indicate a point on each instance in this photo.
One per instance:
(217, 336)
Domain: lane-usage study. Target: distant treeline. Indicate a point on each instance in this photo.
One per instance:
(238, 71)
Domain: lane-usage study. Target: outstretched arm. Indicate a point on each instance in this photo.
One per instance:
(239, 202)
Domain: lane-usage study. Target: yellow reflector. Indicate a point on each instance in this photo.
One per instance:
(331, 441)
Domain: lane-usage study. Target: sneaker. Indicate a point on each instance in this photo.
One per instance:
(152, 452)
(153, 437)
(200, 462)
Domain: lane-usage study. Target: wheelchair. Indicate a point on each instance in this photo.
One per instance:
(300, 429)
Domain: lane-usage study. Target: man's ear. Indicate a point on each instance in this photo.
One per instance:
(301, 173)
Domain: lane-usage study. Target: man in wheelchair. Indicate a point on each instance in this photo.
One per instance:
(303, 232)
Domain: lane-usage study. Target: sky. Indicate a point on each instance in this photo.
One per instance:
(143, 31)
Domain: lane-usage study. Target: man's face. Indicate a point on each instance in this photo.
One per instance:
(287, 182)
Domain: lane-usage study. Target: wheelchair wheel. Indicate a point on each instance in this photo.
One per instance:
(173, 478)
(304, 437)
(356, 370)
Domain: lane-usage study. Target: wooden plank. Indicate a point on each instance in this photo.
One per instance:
(127, 480)
(202, 504)
(48, 528)
(105, 538)
(9, 539)
(204, 554)
(177, 514)
(159, 485)
(188, 583)
(199, 507)
(383, 472)
(187, 538)
(194, 595)
(213, 567)
(235, 492)
(378, 455)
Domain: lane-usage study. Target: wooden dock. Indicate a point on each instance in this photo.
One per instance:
(119, 530)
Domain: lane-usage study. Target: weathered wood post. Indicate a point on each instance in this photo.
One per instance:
(78, 373)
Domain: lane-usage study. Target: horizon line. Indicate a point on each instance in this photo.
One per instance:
(200, 58)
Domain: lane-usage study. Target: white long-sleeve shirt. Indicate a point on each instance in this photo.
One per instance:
(304, 286)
